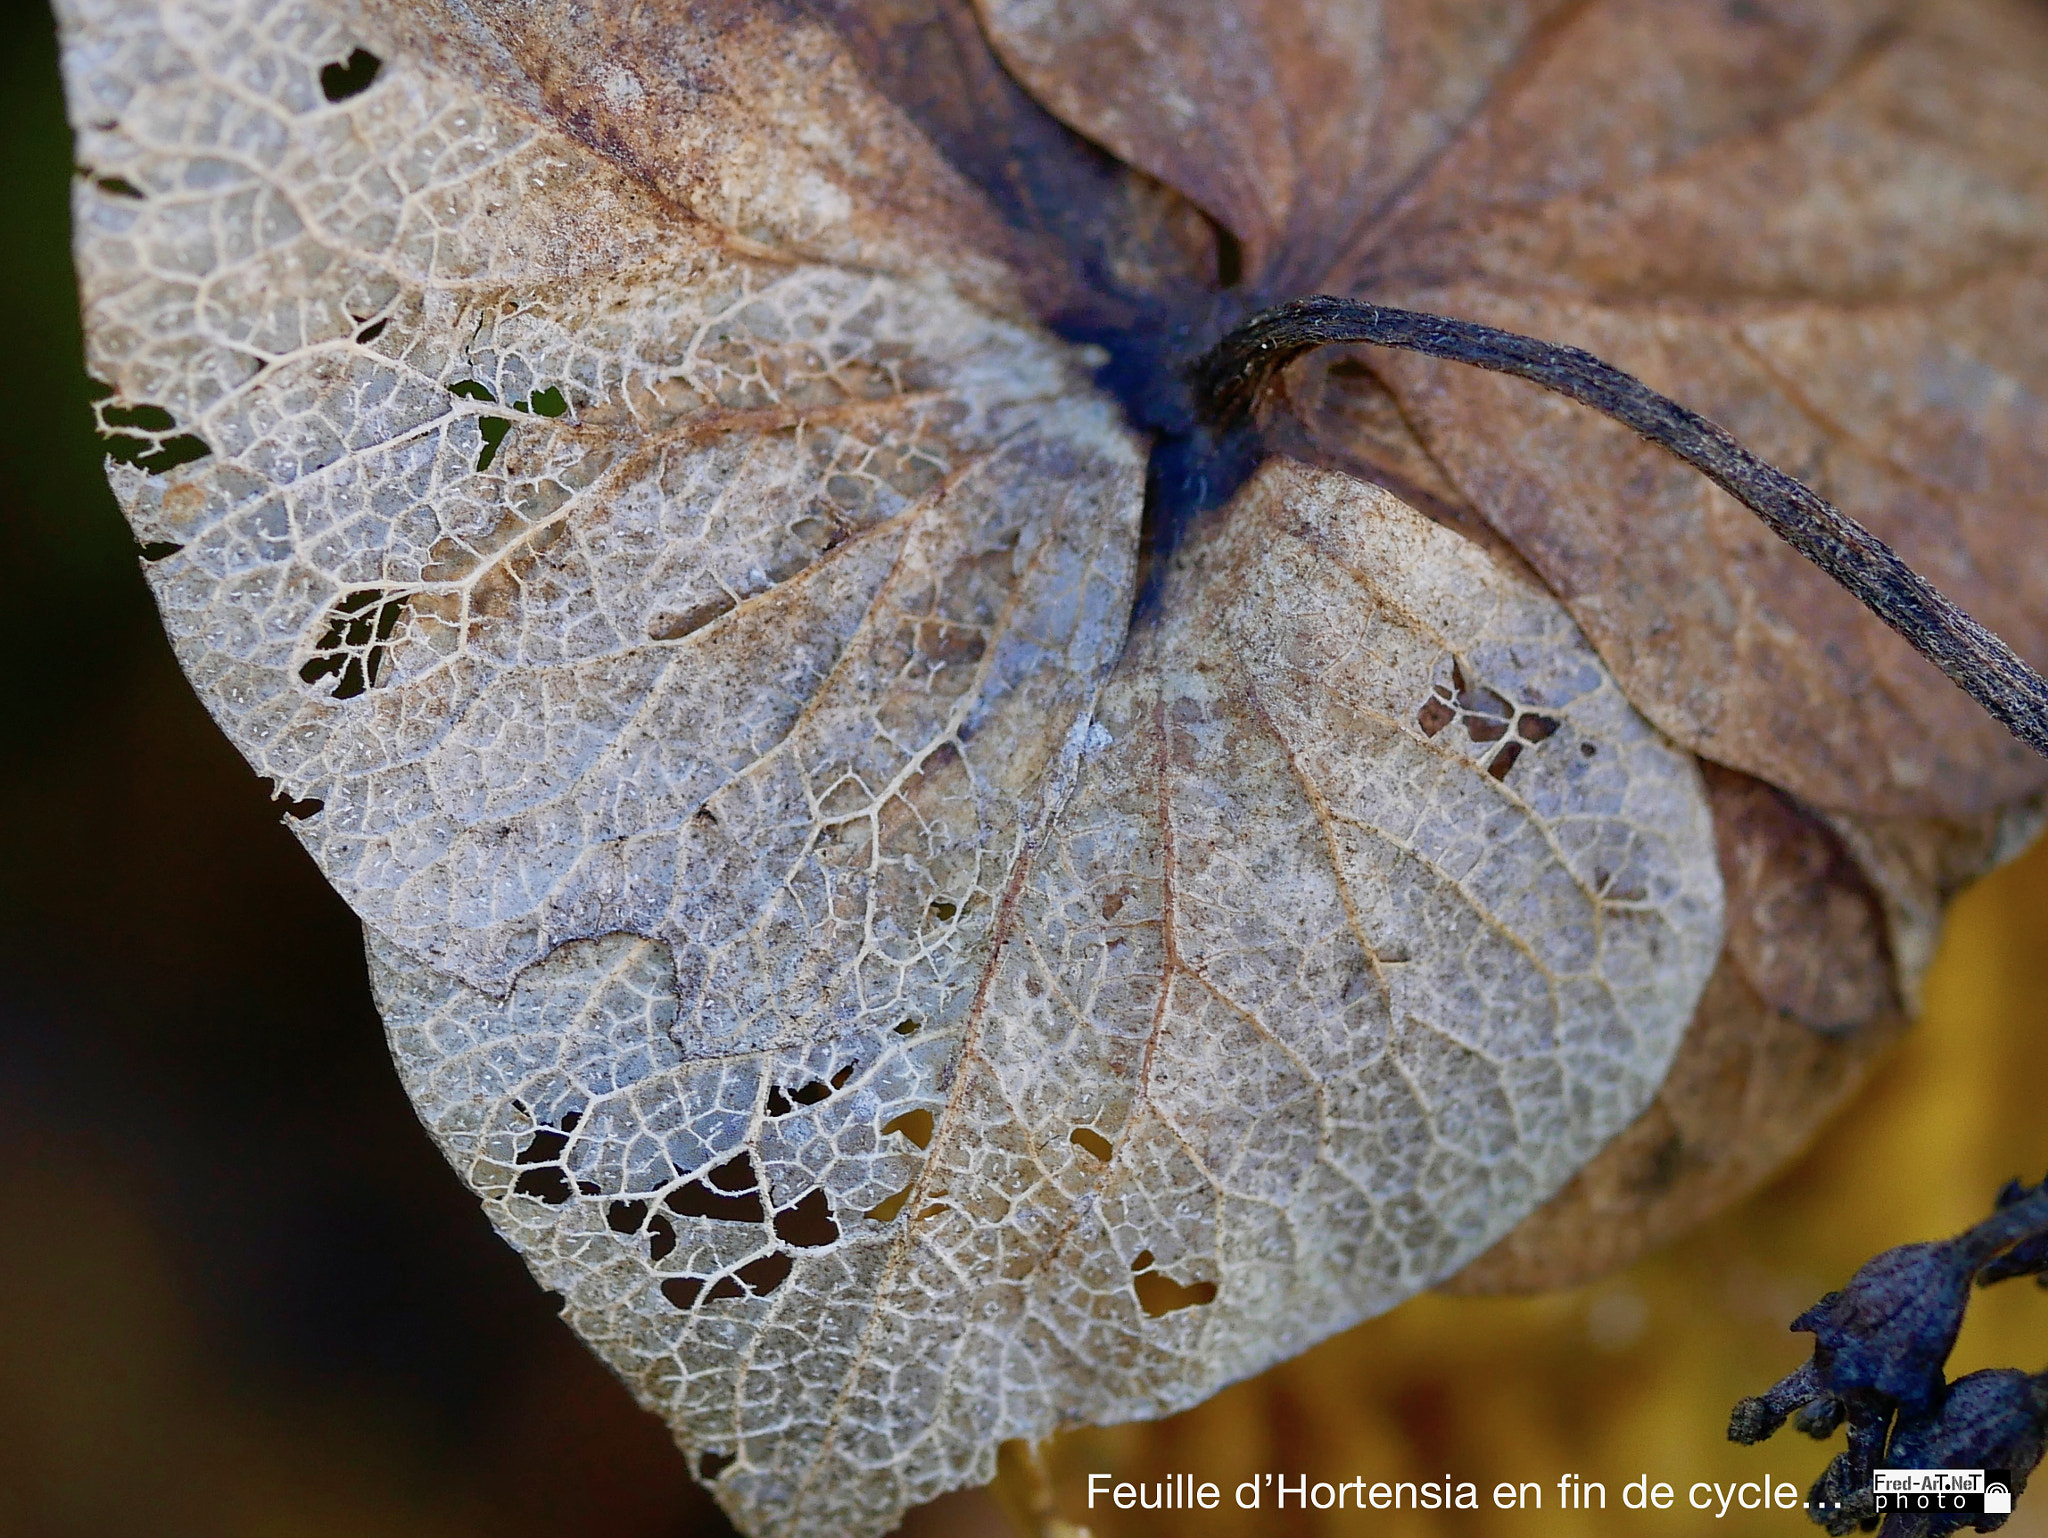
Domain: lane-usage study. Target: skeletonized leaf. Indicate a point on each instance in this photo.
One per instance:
(1366, 910)
(1831, 925)
(578, 565)
(684, 609)
(1804, 1002)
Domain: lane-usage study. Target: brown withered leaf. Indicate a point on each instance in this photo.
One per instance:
(603, 464)
(1820, 223)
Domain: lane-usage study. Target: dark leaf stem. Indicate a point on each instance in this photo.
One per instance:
(1231, 376)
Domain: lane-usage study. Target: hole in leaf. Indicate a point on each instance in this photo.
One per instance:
(163, 449)
(725, 1287)
(1434, 716)
(809, 1224)
(710, 1465)
(157, 458)
(312, 806)
(119, 186)
(546, 1182)
(1534, 728)
(736, 1174)
(1141, 1260)
(546, 403)
(661, 1239)
(151, 419)
(473, 390)
(732, 1195)
(915, 1125)
(763, 1276)
(351, 77)
(943, 909)
(352, 648)
(907, 1027)
(545, 1147)
(1486, 714)
(160, 550)
(373, 330)
(697, 1201)
(781, 1103)
(1094, 1142)
(1159, 1294)
(682, 1290)
(625, 1217)
(1504, 760)
(1587, 750)
(493, 430)
(885, 1210)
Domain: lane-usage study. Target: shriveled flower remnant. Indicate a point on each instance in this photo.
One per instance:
(1881, 1347)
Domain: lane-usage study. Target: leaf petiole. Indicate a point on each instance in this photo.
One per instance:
(1230, 377)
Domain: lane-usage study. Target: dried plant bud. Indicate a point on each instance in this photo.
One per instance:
(1885, 1337)
(1994, 1419)
(1841, 1499)
(1880, 1347)
(1760, 1416)
(2027, 1258)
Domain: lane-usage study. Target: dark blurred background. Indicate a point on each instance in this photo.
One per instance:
(241, 1295)
(239, 1291)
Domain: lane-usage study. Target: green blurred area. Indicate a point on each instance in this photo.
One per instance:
(242, 1295)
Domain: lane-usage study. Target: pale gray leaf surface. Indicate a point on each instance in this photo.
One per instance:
(538, 707)
(684, 604)
(1290, 1009)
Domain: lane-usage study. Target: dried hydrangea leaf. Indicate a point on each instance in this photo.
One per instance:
(574, 562)
(1803, 1004)
(891, 1021)
(1295, 998)
(1820, 222)
(1831, 925)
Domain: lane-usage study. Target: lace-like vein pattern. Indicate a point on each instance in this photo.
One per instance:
(1292, 1009)
(575, 565)
(892, 1022)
